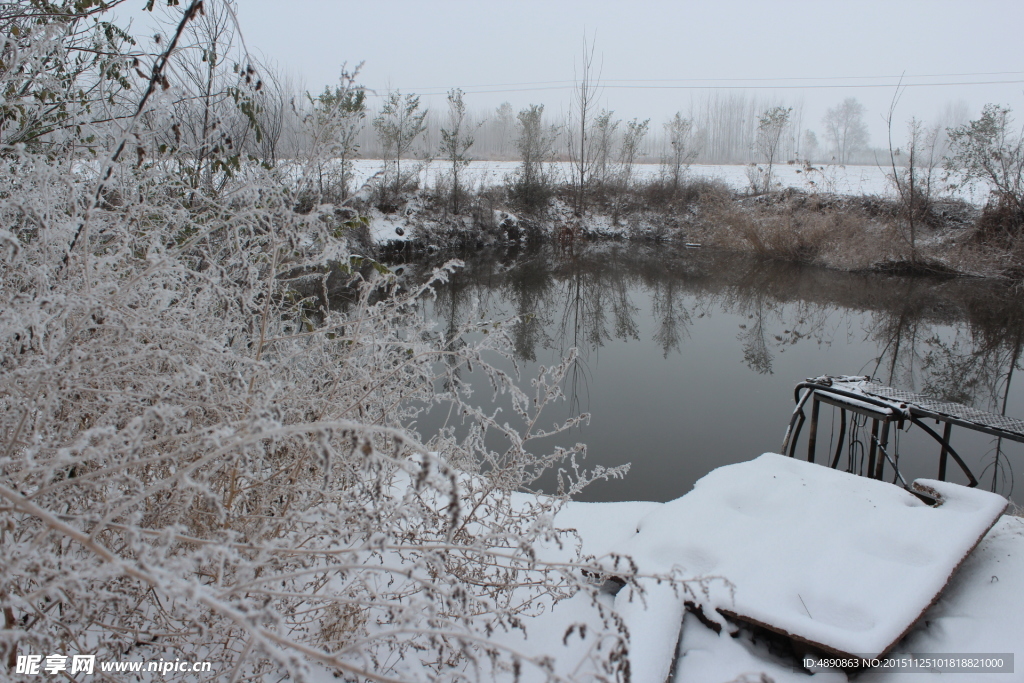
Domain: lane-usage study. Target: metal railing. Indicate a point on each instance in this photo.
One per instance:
(884, 407)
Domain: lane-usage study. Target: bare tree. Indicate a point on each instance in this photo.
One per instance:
(215, 113)
(634, 134)
(273, 110)
(913, 178)
(845, 128)
(398, 124)
(584, 101)
(455, 144)
(681, 152)
(770, 126)
(505, 123)
(723, 126)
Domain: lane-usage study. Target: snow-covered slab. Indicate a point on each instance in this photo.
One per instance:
(601, 527)
(707, 655)
(568, 633)
(652, 617)
(843, 563)
(981, 611)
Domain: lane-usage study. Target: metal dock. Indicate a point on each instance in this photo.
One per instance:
(885, 406)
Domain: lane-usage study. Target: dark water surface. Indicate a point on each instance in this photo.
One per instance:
(688, 358)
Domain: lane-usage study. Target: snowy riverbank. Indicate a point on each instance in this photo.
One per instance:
(848, 180)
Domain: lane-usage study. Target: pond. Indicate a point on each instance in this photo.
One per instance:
(688, 357)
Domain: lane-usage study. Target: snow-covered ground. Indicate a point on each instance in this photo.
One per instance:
(848, 180)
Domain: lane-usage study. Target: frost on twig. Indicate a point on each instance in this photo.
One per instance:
(200, 462)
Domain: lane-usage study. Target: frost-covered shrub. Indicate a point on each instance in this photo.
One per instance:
(197, 462)
(532, 184)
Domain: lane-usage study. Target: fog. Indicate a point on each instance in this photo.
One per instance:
(657, 57)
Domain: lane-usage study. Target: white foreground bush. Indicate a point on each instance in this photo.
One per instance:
(197, 462)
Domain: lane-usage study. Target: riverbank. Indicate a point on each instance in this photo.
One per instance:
(844, 231)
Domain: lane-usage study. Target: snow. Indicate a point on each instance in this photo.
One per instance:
(795, 539)
(842, 180)
(386, 228)
(654, 620)
(603, 526)
(826, 178)
(556, 636)
(836, 560)
(982, 610)
(654, 615)
(840, 560)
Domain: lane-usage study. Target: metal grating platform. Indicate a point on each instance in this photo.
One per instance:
(1011, 427)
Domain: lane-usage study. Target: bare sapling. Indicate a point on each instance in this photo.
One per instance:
(455, 143)
(681, 150)
(771, 125)
(604, 140)
(914, 178)
(632, 137)
(581, 120)
(399, 124)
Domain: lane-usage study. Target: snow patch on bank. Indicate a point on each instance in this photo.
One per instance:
(824, 178)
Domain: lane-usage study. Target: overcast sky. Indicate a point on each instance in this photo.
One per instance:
(656, 55)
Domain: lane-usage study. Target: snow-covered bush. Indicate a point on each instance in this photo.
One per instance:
(199, 462)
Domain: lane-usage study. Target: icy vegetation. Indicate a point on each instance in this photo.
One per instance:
(199, 462)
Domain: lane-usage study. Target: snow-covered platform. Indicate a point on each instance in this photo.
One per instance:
(980, 611)
(835, 562)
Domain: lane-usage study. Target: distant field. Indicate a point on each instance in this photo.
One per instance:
(849, 180)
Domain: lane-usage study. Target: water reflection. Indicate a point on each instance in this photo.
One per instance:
(688, 357)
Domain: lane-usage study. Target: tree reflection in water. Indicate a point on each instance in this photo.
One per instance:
(959, 340)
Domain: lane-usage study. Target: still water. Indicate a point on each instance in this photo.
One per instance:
(688, 357)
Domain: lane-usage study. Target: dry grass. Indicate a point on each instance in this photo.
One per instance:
(804, 233)
(856, 233)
